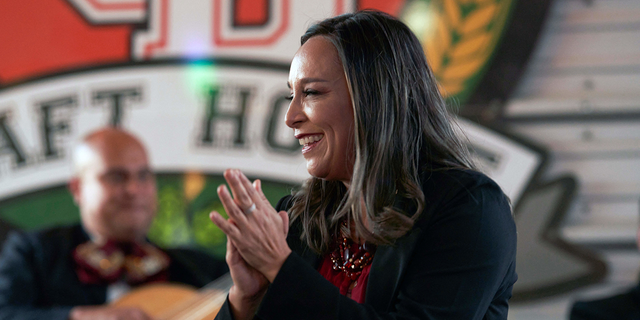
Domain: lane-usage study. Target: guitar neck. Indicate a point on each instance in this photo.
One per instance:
(222, 284)
(205, 304)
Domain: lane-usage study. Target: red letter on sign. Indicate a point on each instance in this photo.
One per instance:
(247, 13)
(272, 18)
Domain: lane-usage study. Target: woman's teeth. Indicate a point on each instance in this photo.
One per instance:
(309, 139)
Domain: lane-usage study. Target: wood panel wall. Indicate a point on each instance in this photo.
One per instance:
(580, 98)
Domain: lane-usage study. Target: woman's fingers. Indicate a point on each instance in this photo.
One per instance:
(230, 206)
(231, 251)
(228, 228)
(245, 193)
(232, 256)
(257, 185)
(285, 221)
(255, 192)
(240, 193)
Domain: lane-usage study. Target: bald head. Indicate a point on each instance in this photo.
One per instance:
(113, 185)
(106, 142)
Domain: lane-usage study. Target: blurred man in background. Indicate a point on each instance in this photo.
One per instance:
(71, 272)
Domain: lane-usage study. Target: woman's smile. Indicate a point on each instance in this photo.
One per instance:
(309, 142)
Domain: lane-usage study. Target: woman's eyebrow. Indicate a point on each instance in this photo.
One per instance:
(308, 80)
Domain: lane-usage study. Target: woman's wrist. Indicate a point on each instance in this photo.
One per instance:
(244, 307)
(272, 272)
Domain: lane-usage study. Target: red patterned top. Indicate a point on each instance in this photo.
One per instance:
(353, 289)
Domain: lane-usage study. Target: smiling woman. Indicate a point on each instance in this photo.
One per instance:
(320, 112)
(394, 222)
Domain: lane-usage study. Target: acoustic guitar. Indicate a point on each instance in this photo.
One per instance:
(177, 301)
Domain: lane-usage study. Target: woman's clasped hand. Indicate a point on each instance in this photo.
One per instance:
(256, 235)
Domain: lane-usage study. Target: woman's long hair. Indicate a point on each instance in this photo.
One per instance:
(402, 128)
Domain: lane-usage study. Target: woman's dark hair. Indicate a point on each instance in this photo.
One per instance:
(402, 128)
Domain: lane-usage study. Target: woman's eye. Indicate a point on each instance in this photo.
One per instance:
(305, 93)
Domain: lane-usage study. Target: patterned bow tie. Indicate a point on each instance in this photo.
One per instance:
(107, 263)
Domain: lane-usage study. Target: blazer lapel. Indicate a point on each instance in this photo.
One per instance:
(297, 246)
(387, 270)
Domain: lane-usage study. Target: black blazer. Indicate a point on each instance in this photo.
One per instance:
(38, 279)
(458, 262)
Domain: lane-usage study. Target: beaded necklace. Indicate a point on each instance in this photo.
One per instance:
(351, 259)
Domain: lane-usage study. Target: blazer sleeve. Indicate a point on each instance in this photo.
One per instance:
(19, 288)
(461, 267)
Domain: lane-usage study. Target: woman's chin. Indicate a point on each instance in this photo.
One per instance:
(315, 171)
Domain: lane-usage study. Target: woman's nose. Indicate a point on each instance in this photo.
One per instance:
(295, 114)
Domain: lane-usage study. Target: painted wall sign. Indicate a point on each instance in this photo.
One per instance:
(202, 83)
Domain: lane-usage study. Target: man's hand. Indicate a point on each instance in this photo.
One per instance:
(107, 313)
